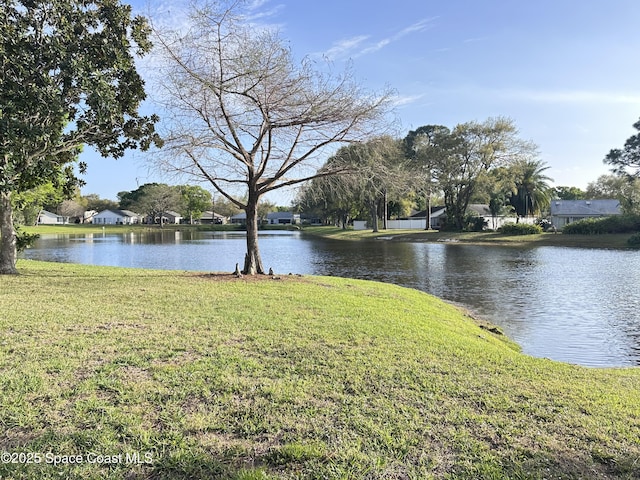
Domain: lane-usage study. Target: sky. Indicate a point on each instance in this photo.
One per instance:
(565, 71)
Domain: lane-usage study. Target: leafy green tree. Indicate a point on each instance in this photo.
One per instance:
(427, 147)
(470, 151)
(93, 201)
(373, 171)
(265, 207)
(28, 204)
(531, 193)
(195, 201)
(246, 117)
(568, 193)
(327, 198)
(68, 79)
(154, 200)
(621, 187)
(224, 207)
(626, 161)
(497, 187)
(127, 200)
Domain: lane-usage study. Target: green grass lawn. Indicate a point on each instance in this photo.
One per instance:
(206, 376)
(478, 238)
(74, 229)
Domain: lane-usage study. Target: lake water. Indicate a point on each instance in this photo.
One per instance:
(575, 305)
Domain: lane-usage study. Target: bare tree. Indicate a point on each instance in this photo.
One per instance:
(156, 200)
(244, 116)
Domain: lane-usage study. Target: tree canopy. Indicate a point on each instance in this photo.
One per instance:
(471, 161)
(373, 172)
(626, 161)
(531, 192)
(459, 158)
(623, 188)
(68, 79)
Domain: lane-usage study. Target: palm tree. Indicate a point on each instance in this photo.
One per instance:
(531, 193)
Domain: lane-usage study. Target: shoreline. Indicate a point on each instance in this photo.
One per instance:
(606, 241)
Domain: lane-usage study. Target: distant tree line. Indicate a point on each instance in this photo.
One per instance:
(150, 200)
(474, 162)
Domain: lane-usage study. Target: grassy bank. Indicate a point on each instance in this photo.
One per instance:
(207, 376)
(73, 229)
(476, 238)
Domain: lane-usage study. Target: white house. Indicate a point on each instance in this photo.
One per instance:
(168, 217)
(239, 218)
(439, 216)
(283, 218)
(564, 212)
(48, 218)
(210, 217)
(88, 215)
(116, 217)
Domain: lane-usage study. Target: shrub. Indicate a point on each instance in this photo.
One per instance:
(613, 224)
(634, 240)
(520, 229)
(475, 223)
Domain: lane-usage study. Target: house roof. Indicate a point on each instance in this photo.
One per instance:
(481, 209)
(423, 213)
(120, 213)
(274, 215)
(585, 208)
(49, 214)
(209, 213)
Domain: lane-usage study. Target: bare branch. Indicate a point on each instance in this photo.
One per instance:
(241, 112)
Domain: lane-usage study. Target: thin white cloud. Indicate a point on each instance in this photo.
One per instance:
(474, 40)
(256, 12)
(423, 24)
(355, 46)
(403, 100)
(374, 48)
(345, 47)
(256, 4)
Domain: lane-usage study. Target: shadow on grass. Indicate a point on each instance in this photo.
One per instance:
(185, 464)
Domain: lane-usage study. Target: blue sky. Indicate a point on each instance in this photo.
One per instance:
(566, 71)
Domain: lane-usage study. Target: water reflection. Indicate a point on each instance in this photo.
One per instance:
(574, 305)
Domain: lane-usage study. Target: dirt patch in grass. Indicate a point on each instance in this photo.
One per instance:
(231, 277)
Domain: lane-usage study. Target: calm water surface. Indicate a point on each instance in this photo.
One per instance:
(574, 305)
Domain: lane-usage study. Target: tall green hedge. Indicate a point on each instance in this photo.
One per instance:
(613, 224)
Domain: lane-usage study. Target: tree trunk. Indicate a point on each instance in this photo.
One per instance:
(252, 260)
(373, 208)
(8, 251)
(428, 221)
(385, 214)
